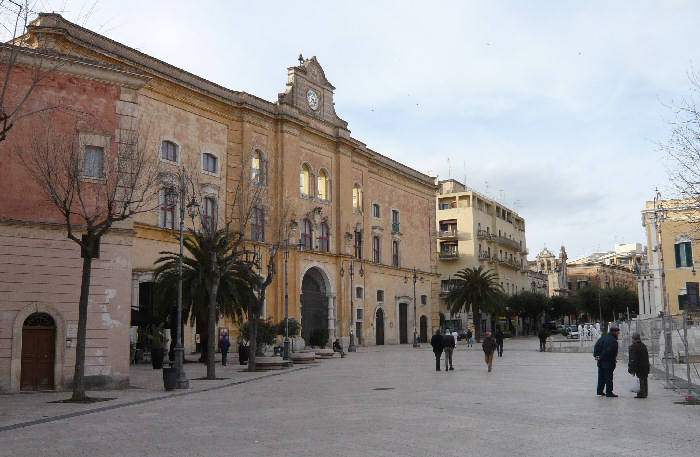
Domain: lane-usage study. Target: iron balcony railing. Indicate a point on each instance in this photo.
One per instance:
(449, 254)
(395, 227)
(448, 233)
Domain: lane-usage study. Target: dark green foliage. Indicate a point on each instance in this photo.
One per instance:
(477, 290)
(528, 305)
(561, 306)
(265, 334)
(319, 337)
(613, 302)
(294, 327)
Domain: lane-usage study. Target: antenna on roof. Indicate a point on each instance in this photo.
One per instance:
(449, 168)
(300, 59)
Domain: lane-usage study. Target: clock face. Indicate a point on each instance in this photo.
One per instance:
(312, 98)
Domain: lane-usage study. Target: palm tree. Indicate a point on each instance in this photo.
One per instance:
(236, 288)
(476, 289)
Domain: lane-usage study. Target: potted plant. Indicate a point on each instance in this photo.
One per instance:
(156, 338)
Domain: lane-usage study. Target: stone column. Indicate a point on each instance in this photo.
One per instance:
(331, 317)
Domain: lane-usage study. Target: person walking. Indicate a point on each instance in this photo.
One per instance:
(639, 364)
(437, 343)
(470, 339)
(543, 335)
(224, 345)
(605, 352)
(488, 346)
(499, 341)
(448, 344)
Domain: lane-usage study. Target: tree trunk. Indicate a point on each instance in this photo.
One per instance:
(477, 324)
(211, 329)
(203, 331)
(79, 373)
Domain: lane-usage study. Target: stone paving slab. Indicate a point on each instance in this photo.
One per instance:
(532, 404)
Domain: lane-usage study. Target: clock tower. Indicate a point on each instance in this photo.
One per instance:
(310, 92)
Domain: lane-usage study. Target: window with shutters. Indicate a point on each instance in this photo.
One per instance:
(376, 254)
(306, 234)
(209, 163)
(684, 254)
(358, 244)
(169, 151)
(257, 224)
(209, 213)
(324, 238)
(93, 164)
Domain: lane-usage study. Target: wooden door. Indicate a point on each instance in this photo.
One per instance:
(423, 329)
(403, 323)
(379, 327)
(38, 352)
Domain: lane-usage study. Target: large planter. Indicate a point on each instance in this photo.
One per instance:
(169, 378)
(157, 355)
(243, 354)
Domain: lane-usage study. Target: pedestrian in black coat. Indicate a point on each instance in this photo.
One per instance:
(437, 343)
(605, 352)
(498, 336)
(448, 345)
(224, 344)
(639, 364)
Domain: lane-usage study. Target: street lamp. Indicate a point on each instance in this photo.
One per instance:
(291, 228)
(416, 343)
(192, 207)
(351, 347)
(659, 214)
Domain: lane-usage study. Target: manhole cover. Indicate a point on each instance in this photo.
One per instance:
(384, 388)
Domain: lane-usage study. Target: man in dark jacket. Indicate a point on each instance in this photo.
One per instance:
(605, 352)
(499, 341)
(436, 342)
(543, 335)
(448, 345)
(488, 346)
(224, 344)
(639, 364)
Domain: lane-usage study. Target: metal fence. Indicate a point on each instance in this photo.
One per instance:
(673, 343)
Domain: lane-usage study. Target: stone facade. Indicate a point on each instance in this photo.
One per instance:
(300, 135)
(40, 268)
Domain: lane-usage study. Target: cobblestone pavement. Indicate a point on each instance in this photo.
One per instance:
(390, 401)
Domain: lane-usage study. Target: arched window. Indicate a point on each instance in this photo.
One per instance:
(324, 238)
(257, 168)
(305, 180)
(306, 234)
(168, 151)
(209, 213)
(395, 253)
(257, 224)
(357, 197)
(322, 185)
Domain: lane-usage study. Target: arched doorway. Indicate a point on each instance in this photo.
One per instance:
(423, 329)
(403, 323)
(379, 326)
(38, 352)
(314, 303)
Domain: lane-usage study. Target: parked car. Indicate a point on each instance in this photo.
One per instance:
(573, 332)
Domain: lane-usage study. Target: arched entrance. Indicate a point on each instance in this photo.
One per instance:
(379, 326)
(314, 303)
(403, 323)
(423, 329)
(38, 352)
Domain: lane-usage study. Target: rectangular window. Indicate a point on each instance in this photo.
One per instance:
(358, 245)
(306, 234)
(423, 299)
(169, 151)
(360, 314)
(324, 238)
(395, 253)
(375, 210)
(684, 254)
(209, 162)
(376, 254)
(395, 221)
(358, 292)
(380, 296)
(94, 162)
(209, 213)
(257, 225)
(692, 293)
(166, 217)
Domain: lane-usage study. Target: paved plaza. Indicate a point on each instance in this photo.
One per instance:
(385, 401)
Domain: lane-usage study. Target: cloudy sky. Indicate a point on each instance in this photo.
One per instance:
(554, 108)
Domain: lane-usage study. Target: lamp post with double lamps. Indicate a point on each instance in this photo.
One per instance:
(291, 231)
(171, 199)
(352, 347)
(659, 216)
(416, 343)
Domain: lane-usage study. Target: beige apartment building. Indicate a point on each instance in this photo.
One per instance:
(473, 231)
(673, 226)
(352, 205)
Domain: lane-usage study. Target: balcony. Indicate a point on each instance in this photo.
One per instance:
(484, 256)
(395, 227)
(449, 254)
(524, 251)
(447, 234)
(514, 264)
(510, 243)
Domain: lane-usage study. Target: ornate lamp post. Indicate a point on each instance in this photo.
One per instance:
(192, 207)
(292, 227)
(659, 215)
(352, 347)
(416, 343)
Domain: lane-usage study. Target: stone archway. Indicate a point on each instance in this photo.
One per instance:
(60, 338)
(38, 352)
(316, 303)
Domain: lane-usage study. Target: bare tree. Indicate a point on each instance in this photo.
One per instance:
(92, 188)
(280, 240)
(20, 65)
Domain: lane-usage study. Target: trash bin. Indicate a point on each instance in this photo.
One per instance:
(170, 378)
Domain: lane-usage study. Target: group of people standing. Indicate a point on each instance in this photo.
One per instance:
(446, 343)
(605, 353)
